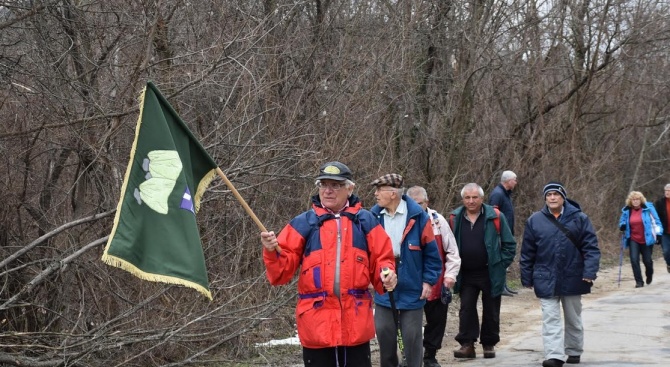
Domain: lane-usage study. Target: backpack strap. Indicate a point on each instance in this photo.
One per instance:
(496, 220)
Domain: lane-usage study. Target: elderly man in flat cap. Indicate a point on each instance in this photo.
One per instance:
(418, 266)
(340, 249)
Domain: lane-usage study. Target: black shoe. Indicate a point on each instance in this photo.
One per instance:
(573, 359)
(552, 363)
(639, 285)
(649, 279)
(510, 290)
(430, 362)
(507, 293)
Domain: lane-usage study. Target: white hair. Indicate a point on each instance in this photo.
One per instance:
(417, 191)
(667, 186)
(507, 175)
(472, 186)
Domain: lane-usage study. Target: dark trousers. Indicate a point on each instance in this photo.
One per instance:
(647, 251)
(355, 356)
(665, 245)
(436, 323)
(472, 284)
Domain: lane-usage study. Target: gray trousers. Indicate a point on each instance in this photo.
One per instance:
(559, 341)
(411, 322)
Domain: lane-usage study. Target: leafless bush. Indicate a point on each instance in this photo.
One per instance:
(442, 92)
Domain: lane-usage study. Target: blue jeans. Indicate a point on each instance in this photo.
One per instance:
(646, 251)
(665, 244)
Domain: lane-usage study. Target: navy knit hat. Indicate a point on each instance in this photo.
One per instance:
(555, 186)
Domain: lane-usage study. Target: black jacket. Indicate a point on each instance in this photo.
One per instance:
(662, 211)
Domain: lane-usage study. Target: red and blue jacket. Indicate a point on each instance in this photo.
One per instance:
(339, 256)
(420, 260)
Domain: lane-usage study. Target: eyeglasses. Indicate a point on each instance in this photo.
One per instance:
(330, 186)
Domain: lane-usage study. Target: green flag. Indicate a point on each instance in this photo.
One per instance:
(155, 236)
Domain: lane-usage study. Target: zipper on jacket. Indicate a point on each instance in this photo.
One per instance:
(336, 286)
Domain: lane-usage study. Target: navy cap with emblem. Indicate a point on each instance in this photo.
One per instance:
(334, 171)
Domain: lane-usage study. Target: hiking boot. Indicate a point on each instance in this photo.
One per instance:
(429, 358)
(467, 350)
(573, 359)
(507, 293)
(639, 285)
(552, 363)
(511, 290)
(489, 352)
(649, 279)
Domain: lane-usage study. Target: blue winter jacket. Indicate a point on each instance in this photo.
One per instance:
(420, 260)
(650, 221)
(550, 262)
(503, 200)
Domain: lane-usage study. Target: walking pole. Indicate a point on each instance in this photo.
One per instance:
(396, 319)
(620, 259)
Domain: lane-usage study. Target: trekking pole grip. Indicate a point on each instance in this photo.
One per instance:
(385, 273)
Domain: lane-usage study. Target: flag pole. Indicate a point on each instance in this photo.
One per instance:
(241, 200)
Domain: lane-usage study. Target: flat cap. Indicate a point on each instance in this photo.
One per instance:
(391, 179)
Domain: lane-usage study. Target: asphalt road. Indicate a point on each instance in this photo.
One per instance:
(627, 327)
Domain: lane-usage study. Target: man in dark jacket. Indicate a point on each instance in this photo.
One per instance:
(486, 252)
(418, 266)
(662, 206)
(501, 196)
(559, 260)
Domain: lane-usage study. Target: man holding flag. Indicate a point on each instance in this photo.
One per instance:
(341, 249)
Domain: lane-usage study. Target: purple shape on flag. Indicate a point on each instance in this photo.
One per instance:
(187, 201)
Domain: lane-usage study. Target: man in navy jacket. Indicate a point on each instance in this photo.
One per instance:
(559, 260)
(501, 196)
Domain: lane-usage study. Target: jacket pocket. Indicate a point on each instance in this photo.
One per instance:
(358, 319)
(310, 275)
(543, 283)
(361, 269)
(312, 320)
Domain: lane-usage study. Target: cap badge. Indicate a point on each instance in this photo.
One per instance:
(332, 170)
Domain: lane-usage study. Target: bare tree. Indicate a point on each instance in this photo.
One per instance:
(443, 92)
